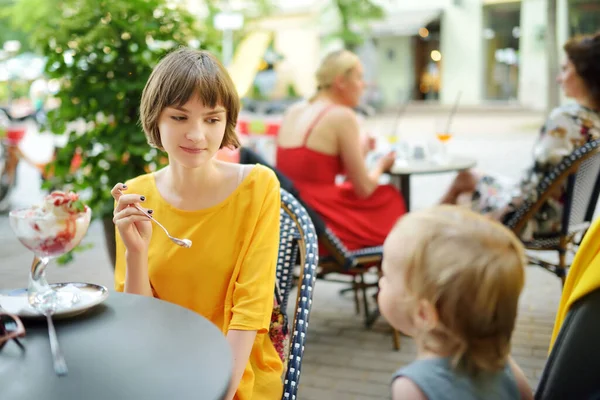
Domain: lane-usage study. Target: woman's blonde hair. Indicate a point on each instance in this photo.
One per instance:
(337, 63)
(179, 76)
(471, 269)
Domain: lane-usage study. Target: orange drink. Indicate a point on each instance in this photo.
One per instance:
(444, 137)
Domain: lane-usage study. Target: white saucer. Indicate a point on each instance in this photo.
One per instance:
(90, 295)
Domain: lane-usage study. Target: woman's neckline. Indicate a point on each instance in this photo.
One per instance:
(206, 210)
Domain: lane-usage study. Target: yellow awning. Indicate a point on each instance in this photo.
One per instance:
(247, 59)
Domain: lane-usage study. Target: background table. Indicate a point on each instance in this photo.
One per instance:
(403, 170)
(130, 347)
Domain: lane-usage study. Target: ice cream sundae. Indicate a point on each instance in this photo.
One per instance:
(54, 227)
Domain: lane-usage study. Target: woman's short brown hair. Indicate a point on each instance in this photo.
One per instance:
(584, 53)
(180, 75)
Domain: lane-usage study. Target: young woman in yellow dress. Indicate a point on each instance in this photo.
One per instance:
(230, 212)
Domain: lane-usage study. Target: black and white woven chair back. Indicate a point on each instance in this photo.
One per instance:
(347, 260)
(297, 239)
(582, 188)
(289, 237)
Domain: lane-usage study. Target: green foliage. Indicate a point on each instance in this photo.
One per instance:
(17, 89)
(69, 257)
(102, 52)
(9, 31)
(292, 93)
(256, 93)
(354, 16)
(252, 11)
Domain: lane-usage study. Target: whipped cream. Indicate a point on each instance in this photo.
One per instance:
(63, 204)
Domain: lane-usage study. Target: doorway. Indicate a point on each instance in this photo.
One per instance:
(427, 62)
(501, 35)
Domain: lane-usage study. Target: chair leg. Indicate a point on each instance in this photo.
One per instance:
(363, 287)
(346, 290)
(374, 315)
(396, 339)
(561, 271)
(355, 290)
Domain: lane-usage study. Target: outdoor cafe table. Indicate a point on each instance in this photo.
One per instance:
(129, 347)
(402, 171)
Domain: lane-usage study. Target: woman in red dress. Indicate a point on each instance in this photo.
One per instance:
(320, 139)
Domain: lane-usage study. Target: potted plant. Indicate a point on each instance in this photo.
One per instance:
(102, 52)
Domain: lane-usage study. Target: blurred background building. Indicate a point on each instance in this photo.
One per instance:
(492, 51)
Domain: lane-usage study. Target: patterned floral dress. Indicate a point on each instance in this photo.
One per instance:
(567, 128)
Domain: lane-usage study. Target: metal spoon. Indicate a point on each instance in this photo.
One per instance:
(180, 242)
(60, 366)
(45, 303)
(58, 360)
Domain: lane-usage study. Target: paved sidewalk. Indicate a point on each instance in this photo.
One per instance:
(343, 360)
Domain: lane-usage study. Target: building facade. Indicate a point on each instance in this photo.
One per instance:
(483, 50)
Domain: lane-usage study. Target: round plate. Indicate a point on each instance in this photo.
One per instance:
(90, 295)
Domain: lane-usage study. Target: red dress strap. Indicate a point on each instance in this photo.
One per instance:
(316, 120)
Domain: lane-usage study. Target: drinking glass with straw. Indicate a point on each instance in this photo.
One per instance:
(392, 137)
(443, 132)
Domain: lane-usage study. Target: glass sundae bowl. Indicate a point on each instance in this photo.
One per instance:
(49, 231)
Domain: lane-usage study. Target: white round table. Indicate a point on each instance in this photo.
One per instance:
(403, 169)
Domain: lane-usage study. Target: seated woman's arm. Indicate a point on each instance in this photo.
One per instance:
(137, 280)
(241, 343)
(558, 138)
(367, 143)
(131, 268)
(351, 152)
(254, 287)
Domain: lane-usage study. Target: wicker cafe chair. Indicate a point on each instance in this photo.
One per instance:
(297, 245)
(356, 264)
(340, 261)
(581, 171)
